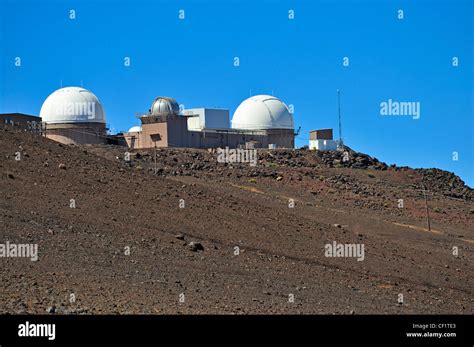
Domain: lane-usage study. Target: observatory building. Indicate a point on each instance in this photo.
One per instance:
(322, 140)
(73, 115)
(162, 126)
(262, 112)
(260, 121)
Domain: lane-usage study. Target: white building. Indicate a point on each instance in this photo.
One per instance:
(323, 145)
(321, 140)
(207, 118)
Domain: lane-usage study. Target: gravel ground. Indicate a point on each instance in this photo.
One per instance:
(191, 235)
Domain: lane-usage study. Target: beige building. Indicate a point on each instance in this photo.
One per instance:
(257, 124)
(74, 134)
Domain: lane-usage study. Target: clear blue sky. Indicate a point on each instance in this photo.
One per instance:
(299, 61)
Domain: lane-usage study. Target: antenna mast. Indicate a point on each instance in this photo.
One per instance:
(341, 145)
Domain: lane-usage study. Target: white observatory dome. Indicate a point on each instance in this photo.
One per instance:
(72, 105)
(164, 106)
(135, 129)
(262, 112)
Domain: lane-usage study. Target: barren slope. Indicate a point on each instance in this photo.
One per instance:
(121, 204)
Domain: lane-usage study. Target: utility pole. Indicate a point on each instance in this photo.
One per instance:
(426, 203)
(341, 145)
(155, 159)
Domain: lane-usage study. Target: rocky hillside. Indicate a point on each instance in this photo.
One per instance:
(198, 236)
(191, 162)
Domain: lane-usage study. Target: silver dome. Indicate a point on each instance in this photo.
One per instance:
(164, 106)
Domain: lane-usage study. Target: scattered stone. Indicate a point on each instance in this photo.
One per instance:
(51, 309)
(62, 166)
(337, 225)
(179, 237)
(279, 178)
(196, 246)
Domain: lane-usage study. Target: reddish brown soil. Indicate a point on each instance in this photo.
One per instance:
(120, 204)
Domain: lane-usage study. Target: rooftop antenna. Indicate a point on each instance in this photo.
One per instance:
(298, 131)
(341, 144)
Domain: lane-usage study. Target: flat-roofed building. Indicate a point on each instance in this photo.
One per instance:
(21, 120)
(322, 140)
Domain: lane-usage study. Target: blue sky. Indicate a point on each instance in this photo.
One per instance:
(300, 61)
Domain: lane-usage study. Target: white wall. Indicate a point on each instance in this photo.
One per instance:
(210, 118)
(194, 123)
(323, 145)
(216, 118)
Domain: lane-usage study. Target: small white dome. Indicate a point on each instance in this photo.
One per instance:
(135, 129)
(72, 105)
(262, 112)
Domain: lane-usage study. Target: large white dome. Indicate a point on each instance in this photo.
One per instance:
(262, 112)
(72, 105)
